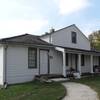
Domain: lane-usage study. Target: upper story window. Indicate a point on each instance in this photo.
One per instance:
(74, 37)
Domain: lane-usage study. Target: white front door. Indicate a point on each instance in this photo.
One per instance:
(43, 62)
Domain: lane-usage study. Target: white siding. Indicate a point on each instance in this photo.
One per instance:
(1, 64)
(56, 63)
(46, 38)
(84, 69)
(63, 38)
(96, 60)
(56, 66)
(87, 67)
(17, 65)
(71, 61)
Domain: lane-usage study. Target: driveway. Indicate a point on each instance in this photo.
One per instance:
(76, 91)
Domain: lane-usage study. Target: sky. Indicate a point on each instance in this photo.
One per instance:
(38, 16)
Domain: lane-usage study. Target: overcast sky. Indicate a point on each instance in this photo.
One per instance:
(38, 16)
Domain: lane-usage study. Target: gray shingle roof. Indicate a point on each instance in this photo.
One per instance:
(24, 39)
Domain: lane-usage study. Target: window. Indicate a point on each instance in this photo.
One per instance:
(82, 60)
(32, 58)
(66, 59)
(74, 40)
(99, 61)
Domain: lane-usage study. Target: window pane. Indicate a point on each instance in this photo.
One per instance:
(32, 58)
(99, 61)
(66, 59)
(82, 60)
(74, 37)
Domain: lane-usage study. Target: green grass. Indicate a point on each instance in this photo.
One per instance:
(93, 82)
(33, 91)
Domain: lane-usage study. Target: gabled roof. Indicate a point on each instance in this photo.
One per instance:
(46, 34)
(24, 39)
(57, 30)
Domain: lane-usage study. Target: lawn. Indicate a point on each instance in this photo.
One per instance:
(93, 82)
(33, 91)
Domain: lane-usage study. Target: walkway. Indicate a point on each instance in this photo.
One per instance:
(76, 91)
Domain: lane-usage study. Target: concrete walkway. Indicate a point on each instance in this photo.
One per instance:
(76, 91)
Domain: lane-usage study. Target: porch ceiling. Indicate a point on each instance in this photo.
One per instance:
(83, 52)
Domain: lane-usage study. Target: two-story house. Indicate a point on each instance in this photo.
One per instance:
(25, 56)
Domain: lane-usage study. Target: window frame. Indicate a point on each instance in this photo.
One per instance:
(67, 59)
(35, 50)
(99, 61)
(74, 37)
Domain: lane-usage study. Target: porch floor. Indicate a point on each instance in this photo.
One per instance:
(49, 76)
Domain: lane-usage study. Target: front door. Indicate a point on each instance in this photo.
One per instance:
(43, 62)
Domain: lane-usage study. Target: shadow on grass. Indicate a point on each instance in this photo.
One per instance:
(33, 90)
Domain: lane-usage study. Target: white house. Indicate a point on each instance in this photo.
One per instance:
(25, 56)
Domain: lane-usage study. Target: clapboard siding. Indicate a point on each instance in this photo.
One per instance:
(56, 66)
(96, 60)
(86, 68)
(63, 38)
(17, 65)
(46, 38)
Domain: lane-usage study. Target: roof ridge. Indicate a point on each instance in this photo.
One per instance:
(24, 38)
(15, 36)
(58, 30)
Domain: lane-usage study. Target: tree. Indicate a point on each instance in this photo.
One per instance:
(94, 38)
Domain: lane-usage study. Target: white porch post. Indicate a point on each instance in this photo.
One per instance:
(91, 63)
(64, 66)
(79, 63)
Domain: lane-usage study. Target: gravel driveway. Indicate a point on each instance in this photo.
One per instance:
(76, 91)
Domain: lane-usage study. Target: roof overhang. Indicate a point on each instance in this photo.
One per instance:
(26, 44)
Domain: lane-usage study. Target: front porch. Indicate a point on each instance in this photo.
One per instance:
(79, 61)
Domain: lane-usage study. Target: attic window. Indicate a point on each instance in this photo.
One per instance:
(74, 37)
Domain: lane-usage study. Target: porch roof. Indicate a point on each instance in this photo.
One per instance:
(83, 51)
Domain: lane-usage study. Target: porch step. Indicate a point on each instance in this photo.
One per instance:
(47, 78)
(59, 79)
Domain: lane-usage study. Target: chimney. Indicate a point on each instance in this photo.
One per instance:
(52, 30)
(46, 33)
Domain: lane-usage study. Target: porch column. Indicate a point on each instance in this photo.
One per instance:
(79, 63)
(91, 63)
(64, 66)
